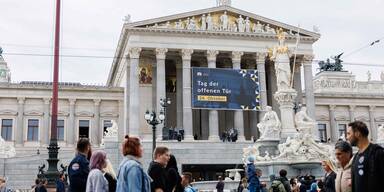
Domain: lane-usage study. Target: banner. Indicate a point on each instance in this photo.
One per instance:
(227, 89)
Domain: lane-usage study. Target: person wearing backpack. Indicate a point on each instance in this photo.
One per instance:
(367, 166)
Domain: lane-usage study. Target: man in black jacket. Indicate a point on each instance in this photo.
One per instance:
(157, 170)
(367, 167)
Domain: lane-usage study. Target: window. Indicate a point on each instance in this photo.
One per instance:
(33, 130)
(83, 128)
(342, 130)
(6, 129)
(60, 130)
(322, 132)
(107, 123)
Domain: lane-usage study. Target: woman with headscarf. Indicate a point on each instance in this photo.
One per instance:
(343, 152)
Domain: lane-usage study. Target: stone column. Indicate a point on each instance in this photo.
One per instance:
(238, 114)
(260, 61)
(373, 131)
(187, 109)
(97, 133)
(213, 115)
(297, 83)
(46, 129)
(333, 125)
(125, 125)
(19, 132)
(160, 85)
(179, 94)
(71, 135)
(134, 97)
(121, 130)
(351, 113)
(309, 95)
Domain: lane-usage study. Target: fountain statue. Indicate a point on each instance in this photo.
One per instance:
(6, 150)
(269, 126)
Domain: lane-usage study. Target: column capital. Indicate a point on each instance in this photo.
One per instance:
(161, 53)
(47, 100)
(212, 54)
(186, 54)
(236, 55)
(307, 59)
(72, 101)
(332, 107)
(352, 107)
(134, 52)
(96, 102)
(21, 100)
(372, 108)
(261, 56)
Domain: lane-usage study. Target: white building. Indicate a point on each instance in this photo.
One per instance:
(153, 60)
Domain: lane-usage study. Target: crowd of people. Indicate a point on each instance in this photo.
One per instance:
(92, 171)
(361, 172)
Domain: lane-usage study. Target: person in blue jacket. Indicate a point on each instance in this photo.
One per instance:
(78, 169)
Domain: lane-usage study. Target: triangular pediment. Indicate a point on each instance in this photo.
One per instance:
(213, 17)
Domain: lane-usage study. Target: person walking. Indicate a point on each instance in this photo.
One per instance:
(173, 176)
(110, 175)
(131, 176)
(252, 176)
(60, 183)
(78, 169)
(96, 181)
(330, 176)
(157, 170)
(343, 153)
(367, 167)
(220, 185)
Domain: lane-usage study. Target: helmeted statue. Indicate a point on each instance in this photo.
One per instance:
(270, 125)
(304, 124)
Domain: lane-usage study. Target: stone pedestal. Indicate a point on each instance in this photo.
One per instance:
(286, 98)
(268, 145)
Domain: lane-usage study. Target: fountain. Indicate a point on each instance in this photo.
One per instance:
(288, 145)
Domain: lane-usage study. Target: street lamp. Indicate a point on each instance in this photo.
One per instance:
(164, 103)
(151, 119)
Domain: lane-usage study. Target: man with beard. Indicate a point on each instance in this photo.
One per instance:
(368, 163)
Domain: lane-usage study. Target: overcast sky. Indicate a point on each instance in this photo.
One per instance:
(92, 28)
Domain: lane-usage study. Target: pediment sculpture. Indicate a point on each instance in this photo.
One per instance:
(270, 125)
(219, 21)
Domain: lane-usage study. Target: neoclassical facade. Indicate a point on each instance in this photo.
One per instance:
(219, 37)
(341, 99)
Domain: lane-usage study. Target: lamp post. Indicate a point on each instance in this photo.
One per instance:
(151, 119)
(164, 103)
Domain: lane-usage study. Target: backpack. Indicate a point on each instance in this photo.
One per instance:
(277, 186)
